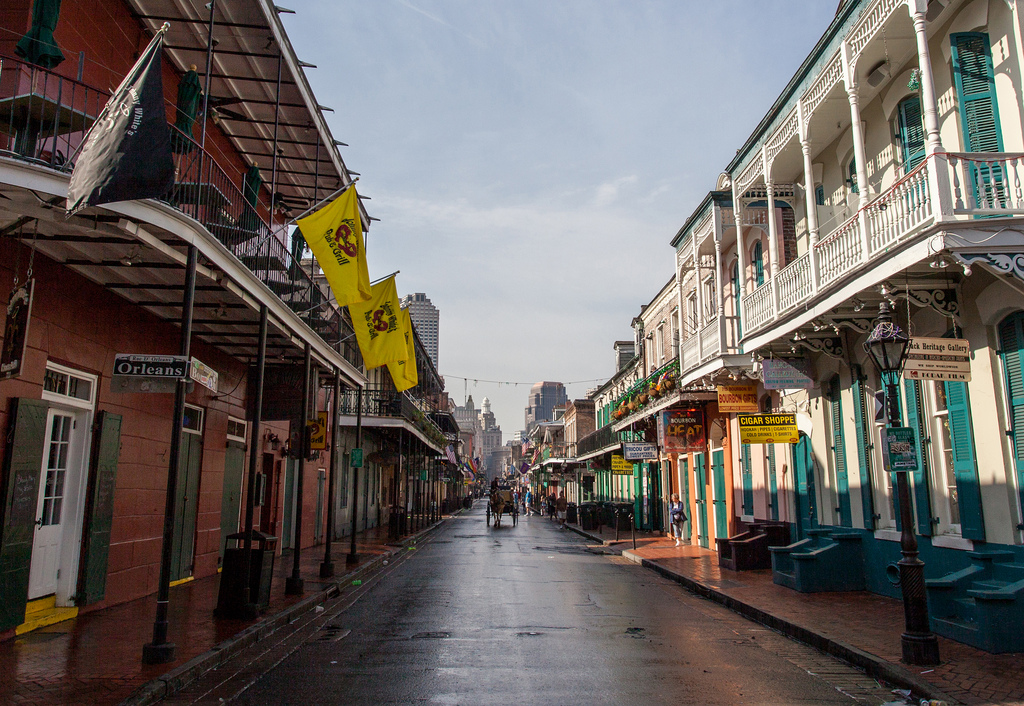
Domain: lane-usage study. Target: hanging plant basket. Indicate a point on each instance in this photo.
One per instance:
(668, 383)
(631, 405)
(642, 397)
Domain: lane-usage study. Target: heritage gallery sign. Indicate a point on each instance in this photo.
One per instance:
(768, 429)
(681, 430)
(741, 399)
(938, 359)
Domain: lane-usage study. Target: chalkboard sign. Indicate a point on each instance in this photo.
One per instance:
(23, 462)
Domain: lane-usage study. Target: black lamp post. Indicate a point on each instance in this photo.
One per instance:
(887, 346)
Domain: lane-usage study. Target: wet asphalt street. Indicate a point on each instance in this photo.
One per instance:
(531, 615)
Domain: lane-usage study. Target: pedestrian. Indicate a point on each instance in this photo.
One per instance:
(529, 502)
(561, 508)
(678, 516)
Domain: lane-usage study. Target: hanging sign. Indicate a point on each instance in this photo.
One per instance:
(639, 451)
(355, 458)
(620, 466)
(148, 373)
(681, 430)
(899, 449)
(203, 374)
(786, 373)
(938, 359)
(737, 398)
(318, 432)
(768, 429)
(19, 311)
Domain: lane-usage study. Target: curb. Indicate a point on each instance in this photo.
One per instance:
(873, 665)
(175, 680)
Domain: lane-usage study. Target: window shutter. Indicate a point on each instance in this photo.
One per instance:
(99, 509)
(773, 489)
(1011, 341)
(976, 92)
(748, 480)
(972, 524)
(911, 130)
(23, 461)
(867, 499)
(758, 263)
(839, 453)
(920, 477)
(736, 298)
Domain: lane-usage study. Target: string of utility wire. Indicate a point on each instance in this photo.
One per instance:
(516, 383)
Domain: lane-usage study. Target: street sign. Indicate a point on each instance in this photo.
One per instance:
(621, 466)
(639, 451)
(938, 359)
(786, 373)
(355, 458)
(148, 373)
(768, 429)
(318, 432)
(737, 398)
(203, 374)
(899, 449)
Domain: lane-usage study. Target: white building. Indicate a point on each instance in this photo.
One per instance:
(425, 317)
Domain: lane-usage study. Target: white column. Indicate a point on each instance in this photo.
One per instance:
(737, 212)
(857, 129)
(700, 294)
(679, 313)
(720, 288)
(773, 226)
(810, 200)
(938, 176)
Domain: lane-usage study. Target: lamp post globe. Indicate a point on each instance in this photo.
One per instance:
(887, 346)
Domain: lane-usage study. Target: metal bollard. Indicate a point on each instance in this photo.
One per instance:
(632, 527)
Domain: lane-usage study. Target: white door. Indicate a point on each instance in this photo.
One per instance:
(50, 510)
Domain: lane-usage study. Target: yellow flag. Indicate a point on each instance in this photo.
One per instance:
(377, 325)
(335, 235)
(403, 372)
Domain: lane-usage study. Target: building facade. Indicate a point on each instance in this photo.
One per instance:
(544, 397)
(426, 318)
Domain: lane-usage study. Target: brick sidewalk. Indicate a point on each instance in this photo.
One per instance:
(96, 658)
(865, 621)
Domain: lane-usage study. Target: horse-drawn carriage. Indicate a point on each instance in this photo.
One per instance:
(502, 502)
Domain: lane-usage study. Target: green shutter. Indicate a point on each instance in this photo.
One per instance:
(911, 132)
(839, 453)
(1011, 343)
(979, 111)
(867, 499)
(972, 523)
(99, 511)
(922, 490)
(759, 263)
(736, 298)
(23, 463)
(772, 484)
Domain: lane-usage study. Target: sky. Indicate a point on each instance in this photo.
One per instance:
(531, 160)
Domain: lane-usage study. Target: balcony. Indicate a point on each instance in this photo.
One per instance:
(381, 402)
(715, 338)
(44, 118)
(596, 441)
(945, 188)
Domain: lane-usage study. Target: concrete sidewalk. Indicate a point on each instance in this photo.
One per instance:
(96, 658)
(859, 627)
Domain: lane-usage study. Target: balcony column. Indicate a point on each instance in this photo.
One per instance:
(938, 175)
(720, 290)
(773, 230)
(857, 128)
(680, 312)
(741, 254)
(810, 203)
(700, 295)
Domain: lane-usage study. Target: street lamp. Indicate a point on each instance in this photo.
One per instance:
(887, 346)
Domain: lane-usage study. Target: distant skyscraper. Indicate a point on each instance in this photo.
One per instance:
(544, 397)
(425, 318)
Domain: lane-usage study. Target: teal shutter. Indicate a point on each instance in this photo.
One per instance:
(979, 112)
(839, 453)
(23, 463)
(911, 132)
(1011, 343)
(773, 489)
(920, 477)
(972, 524)
(748, 480)
(864, 446)
(758, 263)
(99, 511)
(736, 297)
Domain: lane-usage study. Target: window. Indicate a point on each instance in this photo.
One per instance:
(710, 298)
(979, 113)
(851, 180)
(660, 343)
(68, 386)
(758, 261)
(942, 443)
(819, 195)
(692, 314)
(910, 132)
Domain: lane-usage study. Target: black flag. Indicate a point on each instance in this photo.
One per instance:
(127, 153)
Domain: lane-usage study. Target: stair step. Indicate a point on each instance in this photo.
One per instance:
(989, 585)
(958, 623)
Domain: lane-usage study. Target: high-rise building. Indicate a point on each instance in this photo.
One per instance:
(490, 438)
(425, 318)
(544, 397)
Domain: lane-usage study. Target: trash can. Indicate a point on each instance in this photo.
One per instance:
(570, 514)
(230, 599)
(588, 516)
(607, 514)
(624, 512)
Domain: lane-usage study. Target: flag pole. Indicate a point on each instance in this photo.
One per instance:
(381, 279)
(321, 202)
